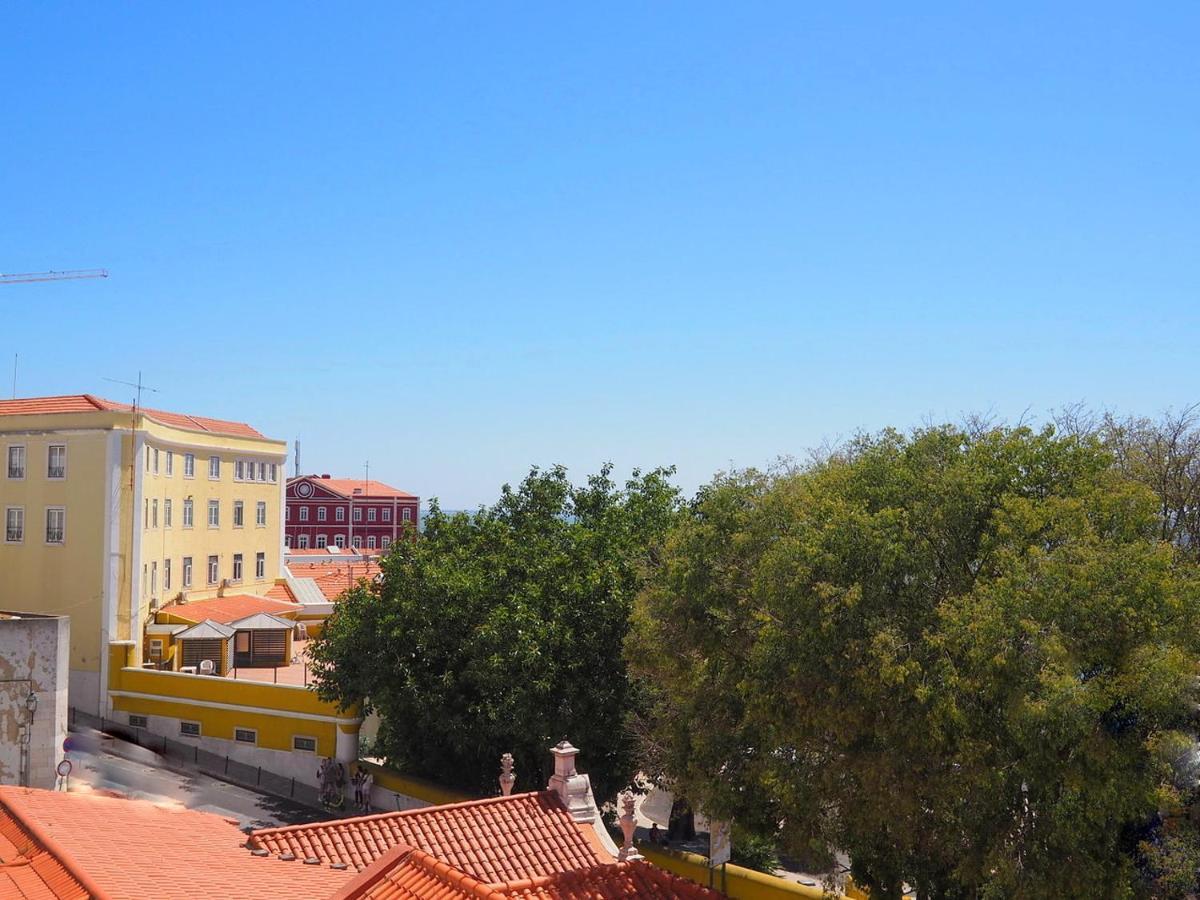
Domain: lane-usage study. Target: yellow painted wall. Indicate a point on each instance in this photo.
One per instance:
(413, 787)
(74, 578)
(66, 579)
(739, 883)
(172, 694)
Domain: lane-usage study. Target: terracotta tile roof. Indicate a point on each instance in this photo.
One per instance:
(280, 591)
(405, 873)
(495, 840)
(125, 849)
(228, 609)
(86, 403)
(347, 486)
(332, 577)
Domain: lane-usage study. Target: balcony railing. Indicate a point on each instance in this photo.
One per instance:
(56, 472)
(16, 471)
(54, 535)
(14, 535)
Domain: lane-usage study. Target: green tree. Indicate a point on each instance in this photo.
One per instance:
(502, 631)
(965, 659)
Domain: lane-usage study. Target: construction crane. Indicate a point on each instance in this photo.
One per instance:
(67, 275)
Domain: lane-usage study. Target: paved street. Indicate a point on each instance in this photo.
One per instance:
(105, 763)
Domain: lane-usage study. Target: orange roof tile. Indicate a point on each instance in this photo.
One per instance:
(228, 609)
(405, 873)
(332, 577)
(117, 848)
(86, 403)
(495, 840)
(347, 486)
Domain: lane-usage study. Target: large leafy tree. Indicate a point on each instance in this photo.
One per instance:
(965, 659)
(502, 631)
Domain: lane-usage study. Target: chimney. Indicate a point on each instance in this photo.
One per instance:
(326, 476)
(507, 778)
(575, 791)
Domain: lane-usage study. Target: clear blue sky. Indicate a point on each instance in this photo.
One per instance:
(462, 239)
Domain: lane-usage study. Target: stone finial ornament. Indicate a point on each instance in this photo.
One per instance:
(628, 825)
(507, 778)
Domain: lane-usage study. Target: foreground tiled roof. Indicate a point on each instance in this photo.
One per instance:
(87, 403)
(228, 609)
(107, 847)
(347, 486)
(332, 577)
(496, 840)
(406, 873)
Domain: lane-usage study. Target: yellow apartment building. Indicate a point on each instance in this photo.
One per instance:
(109, 514)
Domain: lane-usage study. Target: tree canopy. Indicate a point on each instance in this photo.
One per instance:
(965, 659)
(502, 631)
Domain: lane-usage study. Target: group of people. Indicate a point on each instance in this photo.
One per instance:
(332, 778)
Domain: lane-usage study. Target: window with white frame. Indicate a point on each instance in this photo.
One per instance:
(339, 514)
(214, 467)
(14, 525)
(358, 514)
(322, 513)
(370, 542)
(214, 572)
(304, 514)
(155, 460)
(371, 514)
(189, 465)
(147, 457)
(142, 721)
(189, 729)
(406, 514)
(189, 513)
(249, 476)
(166, 574)
(56, 461)
(305, 744)
(154, 578)
(245, 735)
(387, 515)
(260, 514)
(166, 514)
(187, 571)
(56, 524)
(385, 542)
(357, 542)
(170, 463)
(274, 473)
(287, 542)
(214, 513)
(322, 540)
(237, 567)
(340, 540)
(302, 542)
(239, 514)
(146, 513)
(239, 470)
(154, 513)
(262, 471)
(260, 565)
(16, 462)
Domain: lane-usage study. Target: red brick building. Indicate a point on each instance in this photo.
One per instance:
(347, 512)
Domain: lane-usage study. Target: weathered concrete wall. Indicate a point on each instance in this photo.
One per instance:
(34, 658)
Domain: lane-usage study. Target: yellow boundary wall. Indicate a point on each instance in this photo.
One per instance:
(425, 791)
(277, 712)
(738, 882)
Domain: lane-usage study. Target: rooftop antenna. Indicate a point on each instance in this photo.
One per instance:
(297, 457)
